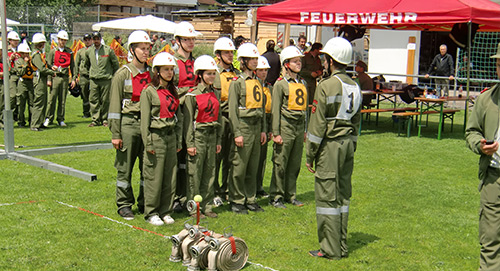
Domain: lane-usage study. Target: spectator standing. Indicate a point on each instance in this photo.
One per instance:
(161, 130)
(442, 65)
(331, 142)
(125, 121)
(156, 45)
(274, 62)
(301, 43)
(61, 61)
(82, 75)
(102, 63)
(482, 136)
(312, 69)
(364, 81)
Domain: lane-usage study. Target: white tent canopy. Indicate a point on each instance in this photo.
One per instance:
(146, 23)
(10, 22)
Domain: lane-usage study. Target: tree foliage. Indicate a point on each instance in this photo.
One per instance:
(59, 13)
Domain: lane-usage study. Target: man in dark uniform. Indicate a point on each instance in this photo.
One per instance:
(442, 65)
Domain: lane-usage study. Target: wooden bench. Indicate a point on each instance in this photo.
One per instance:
(404, 116)
(382, 110)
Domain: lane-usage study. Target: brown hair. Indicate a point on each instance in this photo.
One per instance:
(155, 82)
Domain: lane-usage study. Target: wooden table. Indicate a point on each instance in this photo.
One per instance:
(432, 104)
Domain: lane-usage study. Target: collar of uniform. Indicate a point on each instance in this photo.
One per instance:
(134, 70)
(245, 76)
(221, 69)
(181, 57)
(204, 89)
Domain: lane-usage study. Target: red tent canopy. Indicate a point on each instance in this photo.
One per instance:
(432, 15)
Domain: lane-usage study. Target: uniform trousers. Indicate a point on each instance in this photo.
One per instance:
(13, 95)
(132, 150)
(99, 100)
(39, 103)
(160, 173)
(287, 160)
(58, 95)
(333, 192)
(224, 161)
(243, 184)
(85, 92)
(489, 221)
(24, 96)
(201, 167)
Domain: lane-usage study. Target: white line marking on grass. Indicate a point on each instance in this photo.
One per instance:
(135, 227)
(112, 220)
(22, 202)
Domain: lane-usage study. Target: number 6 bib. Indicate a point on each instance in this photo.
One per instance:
(297, 97)
(254, 94)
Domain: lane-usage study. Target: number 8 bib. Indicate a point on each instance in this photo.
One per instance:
(254, 94)
(297, 97)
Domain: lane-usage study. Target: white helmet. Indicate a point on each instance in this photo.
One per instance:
(63, 35)
(339, 49)
(23, 48)
(39, 37)
(185, 29)
(205, 62)
(164, 59)
(263, 63)
(138, 36)
(224, 44)
(289, 53)
(248, 50)
(13, 36)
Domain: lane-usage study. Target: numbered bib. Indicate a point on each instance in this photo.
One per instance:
(139, 82)
(297, 96)
(351, 101)
(168, 104)
(225, 81)
(30, 71)
(62, 59)
(208, 107)
(254, 94)
(268, 99)
(186, 73)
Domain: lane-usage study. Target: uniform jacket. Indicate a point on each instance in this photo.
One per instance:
(309, 65)
(51, 61)
(120, 99)
(280, 103)
(238, 101)
(24, 69)
(184, 76)
(483, 123)
(324, 124)
(152, 117)
(105, 66)
(80, 68)
(40, 63)
(192, 111)
(230, 74)
(442, 65)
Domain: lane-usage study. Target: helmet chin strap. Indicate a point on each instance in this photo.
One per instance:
(135, 56)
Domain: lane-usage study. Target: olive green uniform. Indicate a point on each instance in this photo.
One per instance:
(25, 89)
(204, 135)
(223, 79)
(246, 114)
(330, 145)
(83, 74)
(2, 100)
(101, 66)
(261, 169)
(289, 118)
(40, 97)
(60, 82)
(13, 86)
(163, 135)
(310, 64)
(125, 124)
(484, 123)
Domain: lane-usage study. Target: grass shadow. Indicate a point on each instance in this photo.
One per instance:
(357, 240)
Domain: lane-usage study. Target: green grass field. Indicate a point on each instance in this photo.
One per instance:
(414, 207)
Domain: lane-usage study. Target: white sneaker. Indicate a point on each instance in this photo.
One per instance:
(218, 201)
(46, 123)
(155, 220)
(62, 124)
(168, 219)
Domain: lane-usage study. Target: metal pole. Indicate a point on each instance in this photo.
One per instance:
(7, 113)
(469, 45)
(98, 13)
